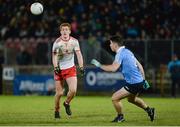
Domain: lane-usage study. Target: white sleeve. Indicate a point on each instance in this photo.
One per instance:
(55, 46)
(76, 45)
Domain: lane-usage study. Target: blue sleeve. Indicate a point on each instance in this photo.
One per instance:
(118, 59)
(169, 66)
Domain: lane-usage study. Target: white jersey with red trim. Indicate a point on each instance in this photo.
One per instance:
(67, 47)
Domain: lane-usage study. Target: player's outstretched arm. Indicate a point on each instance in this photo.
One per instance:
(112, 68)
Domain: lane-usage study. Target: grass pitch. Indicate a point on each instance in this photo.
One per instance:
(87, 111)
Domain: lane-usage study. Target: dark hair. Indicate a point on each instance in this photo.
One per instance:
(117, 39)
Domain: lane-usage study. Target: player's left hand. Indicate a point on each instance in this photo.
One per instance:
(146, 85)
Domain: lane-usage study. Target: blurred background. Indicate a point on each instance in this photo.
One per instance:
(151, 30)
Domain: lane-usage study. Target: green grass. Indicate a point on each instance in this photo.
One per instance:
(87, 111)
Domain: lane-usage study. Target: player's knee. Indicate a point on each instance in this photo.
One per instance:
(73, 92)
(114, 98)
(59, 94)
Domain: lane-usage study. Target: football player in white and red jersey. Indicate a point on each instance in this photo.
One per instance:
(64, 67)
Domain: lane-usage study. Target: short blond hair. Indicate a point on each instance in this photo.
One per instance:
(65, 24)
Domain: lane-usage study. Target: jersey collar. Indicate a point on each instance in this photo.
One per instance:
(120, 48)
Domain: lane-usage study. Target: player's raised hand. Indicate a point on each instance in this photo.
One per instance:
(96, 63)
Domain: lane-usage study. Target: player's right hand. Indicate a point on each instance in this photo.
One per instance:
(82, 71)
(96, 63)
(57, 70)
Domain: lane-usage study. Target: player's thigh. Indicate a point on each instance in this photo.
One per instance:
(120, 94)
(132, 97)
(59, 85)
(72, 83)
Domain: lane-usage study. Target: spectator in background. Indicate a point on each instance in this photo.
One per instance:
(174, 69)
(24, 57)
(103, 16)
(41, 57)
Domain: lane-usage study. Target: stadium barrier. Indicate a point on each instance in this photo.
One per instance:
(38, 80)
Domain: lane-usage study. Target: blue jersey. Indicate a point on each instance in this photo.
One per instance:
(128, 66)
(174, 68)
(172, 65)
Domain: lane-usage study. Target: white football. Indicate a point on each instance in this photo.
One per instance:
(36, 8)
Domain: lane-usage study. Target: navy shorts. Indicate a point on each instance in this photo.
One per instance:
(135, 88)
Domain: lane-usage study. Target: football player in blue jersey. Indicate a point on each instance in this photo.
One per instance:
(134, 76)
